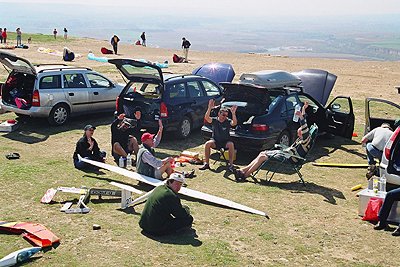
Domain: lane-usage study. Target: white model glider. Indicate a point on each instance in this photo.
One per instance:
(183, 191)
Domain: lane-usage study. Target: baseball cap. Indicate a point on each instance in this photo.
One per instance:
(88, 127)
(177, 177)
(147, 136)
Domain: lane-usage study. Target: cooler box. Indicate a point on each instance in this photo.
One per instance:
(8, 127)
(226, 154)
(364, 197)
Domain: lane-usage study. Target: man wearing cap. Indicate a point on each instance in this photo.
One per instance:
(147, 164)
(221, 126)
(163, 213)
(376, 141)
(88, 148)
(123, 132)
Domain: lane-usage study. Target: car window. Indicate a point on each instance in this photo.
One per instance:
(211, 89)
(74, 81)
(96, 80)
(50, 82)
(147, 90)
(177, 90)
(194, 89)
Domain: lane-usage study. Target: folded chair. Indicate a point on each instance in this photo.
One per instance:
(282, 158)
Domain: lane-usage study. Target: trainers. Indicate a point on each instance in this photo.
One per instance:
(239, 176)
(371, 171)
(232, 169)
(206, 166)
(380, 226)
(396, 232)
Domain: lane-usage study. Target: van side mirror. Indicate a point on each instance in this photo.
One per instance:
(336, 106)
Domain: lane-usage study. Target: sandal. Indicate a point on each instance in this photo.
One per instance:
(14, 155)
(189, 174)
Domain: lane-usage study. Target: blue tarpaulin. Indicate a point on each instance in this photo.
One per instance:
(216, 72)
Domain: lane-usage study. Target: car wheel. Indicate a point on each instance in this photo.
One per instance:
(284, 138)
(59, 115)
(185, 127)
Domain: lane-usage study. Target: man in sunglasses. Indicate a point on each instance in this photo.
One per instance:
(221, 126)
(123, 131)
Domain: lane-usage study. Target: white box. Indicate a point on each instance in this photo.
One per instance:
(8, 127)
(366, 194)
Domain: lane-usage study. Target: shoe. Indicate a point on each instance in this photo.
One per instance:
(206, 166)
(380, 226)
(396, 232)
(232, 169)
(371, 171)
(239, 176)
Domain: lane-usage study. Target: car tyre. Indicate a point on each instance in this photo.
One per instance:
(185, 127)
(59, 115)
(284, 138)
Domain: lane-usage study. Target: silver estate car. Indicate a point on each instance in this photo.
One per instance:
(55, 92)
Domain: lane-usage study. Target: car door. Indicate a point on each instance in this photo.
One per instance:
(198, 102)
(378, 111)
(102, 92)
(340, 117)
(76, 92)
(176, 99)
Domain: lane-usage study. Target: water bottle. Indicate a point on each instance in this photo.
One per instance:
(129, 161)
(121, 162)
(375, 185)
(383, 184)
(295, 117)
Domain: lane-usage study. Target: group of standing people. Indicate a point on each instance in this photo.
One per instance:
(55, 32)
(3, 35)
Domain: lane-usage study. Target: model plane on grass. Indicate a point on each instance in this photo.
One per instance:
(184, 191)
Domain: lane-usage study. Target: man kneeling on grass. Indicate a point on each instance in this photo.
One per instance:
(163, 213)
(147, 164)
(299, 148)
(221, 126)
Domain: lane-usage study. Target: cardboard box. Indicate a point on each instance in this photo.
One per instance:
(8, 127)
(366, 194)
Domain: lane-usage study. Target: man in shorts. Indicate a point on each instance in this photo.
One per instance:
(221, 126)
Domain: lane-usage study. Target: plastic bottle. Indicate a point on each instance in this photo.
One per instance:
(375, 184)
(129, 161)
(121, 162)
(383, 183)
(295, 117)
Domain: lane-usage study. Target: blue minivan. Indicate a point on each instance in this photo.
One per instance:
(179, 100)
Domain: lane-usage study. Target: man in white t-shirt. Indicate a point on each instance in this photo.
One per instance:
(376, 141)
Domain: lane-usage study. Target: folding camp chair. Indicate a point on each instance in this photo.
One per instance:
(282, 158)
(221, 154)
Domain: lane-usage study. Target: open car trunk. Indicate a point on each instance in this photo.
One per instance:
(18, 90)
(251, 101)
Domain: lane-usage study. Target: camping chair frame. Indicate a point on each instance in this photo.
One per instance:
(296, 166)
(221, 153)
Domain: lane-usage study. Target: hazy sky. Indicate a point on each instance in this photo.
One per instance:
(247, 8)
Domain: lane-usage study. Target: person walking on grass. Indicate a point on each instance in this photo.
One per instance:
(143, 37)
(65, 34)
(114, 42)
(1, 35)
(185, 45)
(19, 36)
(4, 35)
(55, 34)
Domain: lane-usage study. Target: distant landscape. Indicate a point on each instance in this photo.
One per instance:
(358, 38)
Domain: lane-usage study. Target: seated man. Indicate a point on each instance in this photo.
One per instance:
(163, 212)
(88, 148)
(377, 139)
(391, 197)
(299, 148)
(221, 126)
(146, 163)
(123, 140)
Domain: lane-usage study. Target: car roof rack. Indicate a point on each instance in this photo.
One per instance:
(66, 68)
(49, 64)
(174, 76)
